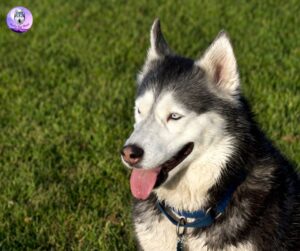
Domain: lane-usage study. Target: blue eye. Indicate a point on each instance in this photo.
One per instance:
(174, 116)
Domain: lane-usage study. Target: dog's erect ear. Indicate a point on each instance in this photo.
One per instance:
(159, 47)
(220, 65)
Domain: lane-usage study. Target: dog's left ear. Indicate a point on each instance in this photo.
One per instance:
(220, 65)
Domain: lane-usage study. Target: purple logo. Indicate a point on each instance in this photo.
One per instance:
(19, 19)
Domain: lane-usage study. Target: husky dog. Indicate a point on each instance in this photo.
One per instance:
(19, 16)
(204, 176)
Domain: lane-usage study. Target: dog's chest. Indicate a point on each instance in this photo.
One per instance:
(157, 233)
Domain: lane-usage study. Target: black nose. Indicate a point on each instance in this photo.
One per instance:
(132, 154)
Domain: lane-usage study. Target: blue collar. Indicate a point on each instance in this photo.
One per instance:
(200, 218)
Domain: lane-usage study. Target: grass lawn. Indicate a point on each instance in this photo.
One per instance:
(66, 96)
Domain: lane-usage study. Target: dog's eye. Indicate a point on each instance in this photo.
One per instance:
(174, 116)
(138, 110)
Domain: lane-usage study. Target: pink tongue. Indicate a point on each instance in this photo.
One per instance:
(142, 182)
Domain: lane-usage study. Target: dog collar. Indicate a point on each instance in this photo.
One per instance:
(199, 218)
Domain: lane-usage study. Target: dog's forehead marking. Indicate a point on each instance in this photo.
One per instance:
(167, 103)
(163, 103)
(145, 101)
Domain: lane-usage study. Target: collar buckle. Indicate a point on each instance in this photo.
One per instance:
(181, 224)
(208, 210)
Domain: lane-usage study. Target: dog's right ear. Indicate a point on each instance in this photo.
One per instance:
(158, 47)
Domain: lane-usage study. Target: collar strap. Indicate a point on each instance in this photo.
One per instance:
(201, 218)
(204, 221)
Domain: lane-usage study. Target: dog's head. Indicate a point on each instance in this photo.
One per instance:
(19, 16)
(180, 112)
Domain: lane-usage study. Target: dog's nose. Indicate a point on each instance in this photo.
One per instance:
(132, 154)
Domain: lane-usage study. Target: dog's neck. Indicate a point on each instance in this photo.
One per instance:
(189, 190)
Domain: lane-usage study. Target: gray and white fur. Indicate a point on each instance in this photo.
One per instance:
(180, 100)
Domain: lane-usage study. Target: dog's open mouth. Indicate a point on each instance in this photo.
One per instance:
(142, 181)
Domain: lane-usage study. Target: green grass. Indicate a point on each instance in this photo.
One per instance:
(66, 96)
